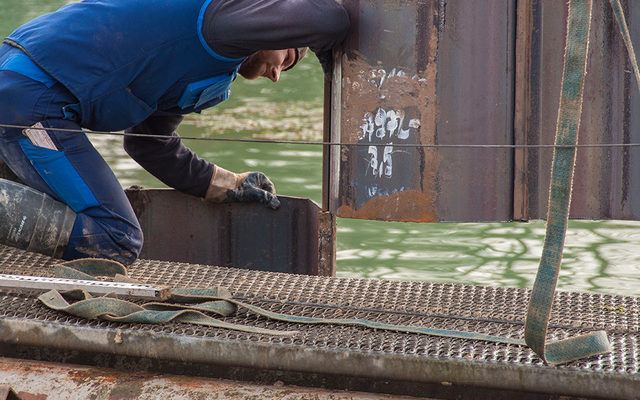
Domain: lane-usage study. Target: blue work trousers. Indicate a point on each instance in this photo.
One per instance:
(74, 173)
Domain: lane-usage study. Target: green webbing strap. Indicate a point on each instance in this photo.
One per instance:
(89, 268)
(382, 326)
(200, 300)
(626, 37)
(569, 113)
(189, 305)
(112, 309)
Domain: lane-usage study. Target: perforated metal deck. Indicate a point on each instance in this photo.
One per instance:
(350, 350)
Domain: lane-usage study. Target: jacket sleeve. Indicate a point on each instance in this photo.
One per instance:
(239, 28)
(167, 158)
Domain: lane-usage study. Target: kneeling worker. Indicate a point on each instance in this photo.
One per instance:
(134, 65)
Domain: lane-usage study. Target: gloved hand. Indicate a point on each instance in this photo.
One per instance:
(228, 186)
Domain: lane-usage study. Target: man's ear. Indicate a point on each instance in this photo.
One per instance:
(300, 53)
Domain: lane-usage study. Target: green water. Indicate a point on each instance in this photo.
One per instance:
(600, 256)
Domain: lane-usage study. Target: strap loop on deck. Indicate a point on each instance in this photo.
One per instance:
(189, 305)
(195, 302)
(569, 113)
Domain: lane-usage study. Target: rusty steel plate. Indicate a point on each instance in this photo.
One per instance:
(37, 380)
(350, 351)
(418, 73)
(437, 73)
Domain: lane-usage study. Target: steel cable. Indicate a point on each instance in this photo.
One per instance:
(321, 143)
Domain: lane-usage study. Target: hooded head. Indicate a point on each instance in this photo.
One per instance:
(270, 63)
(300, 53)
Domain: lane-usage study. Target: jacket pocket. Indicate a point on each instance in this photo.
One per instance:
(196, 94)
(57, 171)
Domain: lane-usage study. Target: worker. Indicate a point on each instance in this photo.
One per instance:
(138, 66)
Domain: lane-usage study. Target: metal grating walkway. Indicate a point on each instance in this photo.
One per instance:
(351, 350)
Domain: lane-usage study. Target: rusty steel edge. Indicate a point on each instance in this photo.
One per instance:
(37, 380)
(289, 358)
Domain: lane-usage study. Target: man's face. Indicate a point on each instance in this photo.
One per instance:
(267, 63)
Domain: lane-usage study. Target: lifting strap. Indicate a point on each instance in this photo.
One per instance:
(568, 124)
(193, 305)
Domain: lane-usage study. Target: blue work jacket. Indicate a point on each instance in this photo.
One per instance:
(125, 59)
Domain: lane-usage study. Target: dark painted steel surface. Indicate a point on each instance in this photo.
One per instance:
(183, 228)
(475, 106)
(607, 179)
(473, 73)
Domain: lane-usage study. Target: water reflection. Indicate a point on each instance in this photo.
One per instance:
(293, 120)
(600, 256)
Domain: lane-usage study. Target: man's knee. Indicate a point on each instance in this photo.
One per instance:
(115, 242)
(131, 246)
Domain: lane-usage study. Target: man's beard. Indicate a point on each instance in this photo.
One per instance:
(251, 68)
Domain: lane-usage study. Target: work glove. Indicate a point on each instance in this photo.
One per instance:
(227, 186)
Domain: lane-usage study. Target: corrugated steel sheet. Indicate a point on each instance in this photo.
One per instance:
(297, 238)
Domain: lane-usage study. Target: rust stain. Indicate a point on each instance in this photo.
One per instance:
(367, 88)
(363, 92)
(409, 205)
(80, 376)
(31, 396)
(191, 383)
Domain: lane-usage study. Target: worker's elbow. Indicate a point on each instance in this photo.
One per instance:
(134, 148)
(336, 25)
